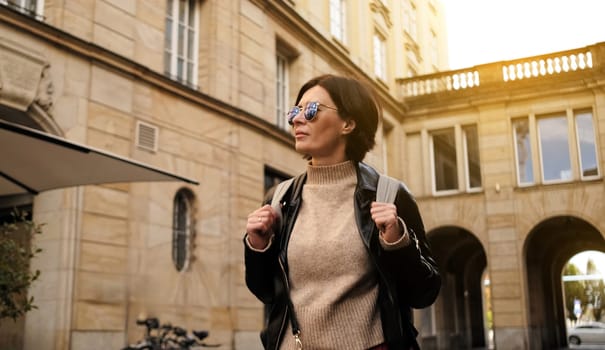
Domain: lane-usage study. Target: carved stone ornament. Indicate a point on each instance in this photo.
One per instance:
(377, 6)
(24, 77)
(45, 90)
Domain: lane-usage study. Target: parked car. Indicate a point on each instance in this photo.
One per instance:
(587, 333)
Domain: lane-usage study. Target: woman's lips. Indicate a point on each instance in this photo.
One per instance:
(299, 134)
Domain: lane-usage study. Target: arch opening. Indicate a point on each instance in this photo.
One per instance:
(457, 319)
(547, 250)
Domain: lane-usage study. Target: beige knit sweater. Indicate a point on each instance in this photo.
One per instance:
(333, 284)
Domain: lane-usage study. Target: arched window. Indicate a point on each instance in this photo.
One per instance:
(182, 228)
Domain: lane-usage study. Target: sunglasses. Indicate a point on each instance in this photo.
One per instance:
(310, 111)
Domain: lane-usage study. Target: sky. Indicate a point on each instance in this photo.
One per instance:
(484, 31)
(581, 259)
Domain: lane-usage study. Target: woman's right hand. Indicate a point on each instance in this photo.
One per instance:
(260, 226)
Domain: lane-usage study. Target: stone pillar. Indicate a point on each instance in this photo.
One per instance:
(48, 327)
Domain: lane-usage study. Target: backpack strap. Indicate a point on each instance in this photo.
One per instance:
(280, 191)
(387, 188)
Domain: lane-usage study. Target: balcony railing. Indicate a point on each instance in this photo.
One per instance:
(486, 75)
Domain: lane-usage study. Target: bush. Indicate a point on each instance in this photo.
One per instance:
(16, 252)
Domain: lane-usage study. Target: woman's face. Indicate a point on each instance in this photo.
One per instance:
(324, 137)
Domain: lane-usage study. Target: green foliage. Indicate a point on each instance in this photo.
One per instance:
(573, 290)
(16, 253)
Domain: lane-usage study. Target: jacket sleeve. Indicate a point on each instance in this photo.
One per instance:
(412, 268)
(262, 268)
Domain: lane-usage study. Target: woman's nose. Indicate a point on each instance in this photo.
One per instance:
(299, 117)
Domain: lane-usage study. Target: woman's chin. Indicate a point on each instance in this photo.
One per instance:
(300, 148)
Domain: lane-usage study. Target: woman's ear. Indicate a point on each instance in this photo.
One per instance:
(348, 127)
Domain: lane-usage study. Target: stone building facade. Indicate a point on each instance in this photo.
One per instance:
(197, 88)
(506, 160)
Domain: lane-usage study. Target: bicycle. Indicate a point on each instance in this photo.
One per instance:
(168, 337)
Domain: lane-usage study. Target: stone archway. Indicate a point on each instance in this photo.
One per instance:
(462, 260)
(548, 247)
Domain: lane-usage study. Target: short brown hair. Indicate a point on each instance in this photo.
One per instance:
(354, 100)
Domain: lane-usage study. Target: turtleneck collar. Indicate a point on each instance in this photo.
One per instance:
(331, 174)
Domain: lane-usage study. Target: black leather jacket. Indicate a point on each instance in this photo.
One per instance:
(408, 277)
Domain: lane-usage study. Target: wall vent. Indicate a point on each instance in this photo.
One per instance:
(147, 136)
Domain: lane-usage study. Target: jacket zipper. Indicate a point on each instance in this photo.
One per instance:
(285, 317)
(283, 269)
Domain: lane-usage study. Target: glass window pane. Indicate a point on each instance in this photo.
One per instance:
(191, 12)
(525, 166)
(554, 148)
(169, 5)
(587, 146)
(190, 41)
(182, 8)
(168, 35)
(190, 72)
(281, 89)
(179, 68)
(471, 142)
(379, 57)
(181, 227)
(181, 43)
(444, 155)
(337, 19)
(167, 63)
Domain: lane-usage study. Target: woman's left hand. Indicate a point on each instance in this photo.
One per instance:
(385, 217)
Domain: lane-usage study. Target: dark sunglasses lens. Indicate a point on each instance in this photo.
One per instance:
(311, 110)
(293, 112)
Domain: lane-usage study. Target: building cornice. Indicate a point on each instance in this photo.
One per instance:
(127, 67)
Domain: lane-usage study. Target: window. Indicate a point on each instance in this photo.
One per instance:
(455, 153)
(281, 81)
(554, 148)
(180, 47)
(445, 166)
(567, 147)
(28, 7)
(182, 228)
(471, 157)
(585, 135)
(380, 69)
(522, 144)
(338, 20)
(409, 18)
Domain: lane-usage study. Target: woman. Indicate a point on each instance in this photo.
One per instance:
(335, 268)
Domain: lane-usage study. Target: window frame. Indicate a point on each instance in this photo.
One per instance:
(465, 154)
(576, 113)
(338, 10)
(380, 63)
(186, 197)
(530, 155)
(38, 13)
(434, 190)
(171, 69)
(573, 145)
(462, 160)
(283, 93)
